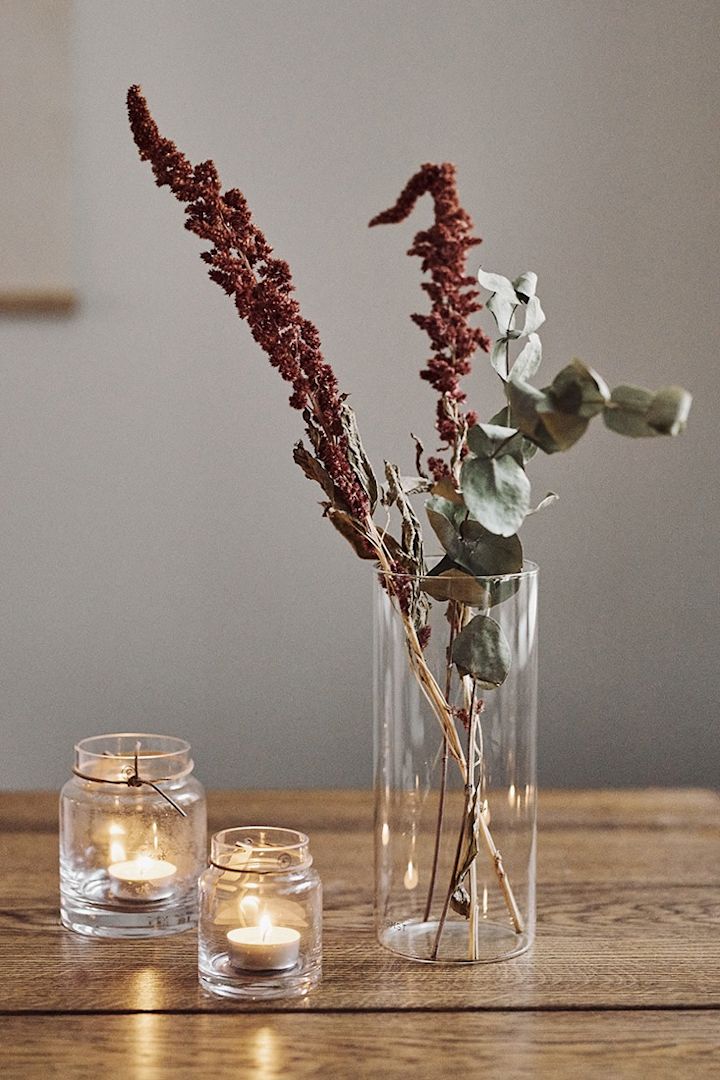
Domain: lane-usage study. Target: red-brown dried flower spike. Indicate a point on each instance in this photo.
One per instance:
(241, 263)
(443, 249)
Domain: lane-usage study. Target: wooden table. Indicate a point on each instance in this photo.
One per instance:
(624, 980)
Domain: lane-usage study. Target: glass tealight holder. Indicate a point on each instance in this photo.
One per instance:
(260, 929)
(132, 837)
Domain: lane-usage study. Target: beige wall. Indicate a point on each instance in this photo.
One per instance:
(164, 563)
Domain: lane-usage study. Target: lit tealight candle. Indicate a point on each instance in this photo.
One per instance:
(264, 947)
(142, 879)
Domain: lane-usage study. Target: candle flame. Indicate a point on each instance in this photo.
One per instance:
(265, 925)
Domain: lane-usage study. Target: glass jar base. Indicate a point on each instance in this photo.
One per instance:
(260, 987)
(415, 940)
(129, 920)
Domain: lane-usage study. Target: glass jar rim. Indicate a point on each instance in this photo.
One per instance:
(529, 569)
(260, 849)
(112, 756)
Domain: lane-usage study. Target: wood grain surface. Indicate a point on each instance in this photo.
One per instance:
(365, 1046)
(624, 979)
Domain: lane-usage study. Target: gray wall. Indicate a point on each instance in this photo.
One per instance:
(165, 566)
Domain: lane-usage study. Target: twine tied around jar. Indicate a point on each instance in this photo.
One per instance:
(282, 861)
(134, 781)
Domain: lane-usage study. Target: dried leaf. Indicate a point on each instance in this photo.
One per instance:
(313, 469)
(346, 526)
(460, 901)
(481, 650)
(469, 848)
(358, 458)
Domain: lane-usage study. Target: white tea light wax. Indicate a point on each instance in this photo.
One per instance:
(142, 879)
(264, 947)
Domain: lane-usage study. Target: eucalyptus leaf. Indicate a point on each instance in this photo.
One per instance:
(534, 317)
(503, 308)
(444, 516)
(447, 581)
(525, 286)
(485, 439)
(503, 589)
(496, 492)
(563, 429)
(486, 554)
(669, 410)
(640, 413)
(481, 651)
(529, 359)
(577, 390)
(496, 283)
(534, 413)
(470, 546)
(626, 412)
(501, 417)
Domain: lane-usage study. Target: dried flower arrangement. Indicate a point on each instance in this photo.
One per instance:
(477, 487)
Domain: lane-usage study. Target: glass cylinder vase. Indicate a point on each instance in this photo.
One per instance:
(455, 691)
(132, 837)
(260, 930)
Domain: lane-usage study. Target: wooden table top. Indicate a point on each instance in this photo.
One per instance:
(623, 981)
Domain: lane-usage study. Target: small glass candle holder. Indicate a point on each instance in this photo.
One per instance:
(260, 930)
(132, 837)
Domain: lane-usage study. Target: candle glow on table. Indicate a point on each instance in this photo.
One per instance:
(263, 947)
(142, 879)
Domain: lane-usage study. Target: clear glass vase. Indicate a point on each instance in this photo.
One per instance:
(455, 775)
(260, 930)
(132, 837)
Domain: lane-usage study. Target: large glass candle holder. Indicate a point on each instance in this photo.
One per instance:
(260, 930)
(132, 837)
